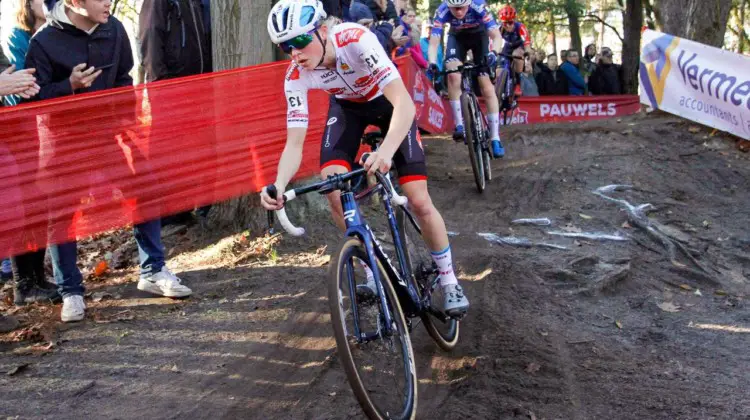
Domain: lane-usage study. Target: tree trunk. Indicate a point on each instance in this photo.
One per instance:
(698, 20)
(553, 29)
(239, 33)
(741, 26)
(653, 18)
(240, 39)
(631, 49)
(571, 8)
(603, 17)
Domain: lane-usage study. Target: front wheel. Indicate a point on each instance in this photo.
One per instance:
(472, 131)
(381, 369)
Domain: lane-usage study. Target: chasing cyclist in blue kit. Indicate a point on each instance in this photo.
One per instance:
(471, 25)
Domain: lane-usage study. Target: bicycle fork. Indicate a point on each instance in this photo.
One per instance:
(355, 227)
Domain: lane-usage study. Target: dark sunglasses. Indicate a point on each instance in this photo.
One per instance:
(297, 43)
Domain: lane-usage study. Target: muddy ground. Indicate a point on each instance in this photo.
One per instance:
(544, 339)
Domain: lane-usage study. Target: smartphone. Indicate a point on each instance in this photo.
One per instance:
(106, 66)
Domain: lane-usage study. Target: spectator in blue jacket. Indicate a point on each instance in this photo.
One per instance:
(576, 82)
(424, 42)
(22, 18)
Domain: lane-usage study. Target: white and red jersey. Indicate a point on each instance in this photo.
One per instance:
(363, 69)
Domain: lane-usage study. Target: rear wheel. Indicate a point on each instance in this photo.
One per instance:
(381, 372)
(472, 140)
(424, 271)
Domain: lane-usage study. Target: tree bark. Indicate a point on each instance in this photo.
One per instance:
(652, 14)
(632, 24)
(571, 8)
(239, 39)
(741, 26)
(698, 20)
(239, 33)
(553, 29)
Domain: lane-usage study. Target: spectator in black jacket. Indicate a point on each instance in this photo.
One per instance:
(551, 80)
(361, 14)
(382, 10)
(85, 49)
(338, 8)
(175, 41)
(607, 78)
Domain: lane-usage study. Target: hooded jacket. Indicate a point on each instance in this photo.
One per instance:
(551, 82)
(174, 40)
(59, 46)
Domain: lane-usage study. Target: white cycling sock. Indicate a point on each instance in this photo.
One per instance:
(494, 121)
(457, 116)
(444, 263)
(370, 275)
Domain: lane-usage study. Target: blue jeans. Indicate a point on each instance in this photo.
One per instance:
(64, 258)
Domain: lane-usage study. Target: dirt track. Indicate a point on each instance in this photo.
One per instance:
(256, 341)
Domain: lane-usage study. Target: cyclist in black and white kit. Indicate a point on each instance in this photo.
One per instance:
(347, 61)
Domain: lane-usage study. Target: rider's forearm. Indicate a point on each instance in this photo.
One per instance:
(432, 53)
(291, 157)
(497, 41)
(402, 119)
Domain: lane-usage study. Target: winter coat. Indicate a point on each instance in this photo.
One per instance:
(390, 10)
(576, 83)
(59, 46)
(606, 80)
(174, 39)
(551, 82)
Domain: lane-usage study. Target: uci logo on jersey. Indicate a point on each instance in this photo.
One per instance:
(332, 121)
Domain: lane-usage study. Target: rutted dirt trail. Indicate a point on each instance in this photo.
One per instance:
(542, 340)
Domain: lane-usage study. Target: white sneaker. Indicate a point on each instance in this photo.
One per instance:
(74, 309)
(164, 283)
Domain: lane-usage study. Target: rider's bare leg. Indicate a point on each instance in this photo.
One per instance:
(334, 198)
(454, 91)
(493, 106)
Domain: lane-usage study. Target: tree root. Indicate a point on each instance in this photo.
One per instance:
(637, 217)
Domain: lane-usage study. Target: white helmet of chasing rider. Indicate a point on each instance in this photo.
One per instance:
(458, 3)
(291, 18)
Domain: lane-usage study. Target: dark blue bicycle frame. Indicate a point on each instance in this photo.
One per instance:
(357, 227)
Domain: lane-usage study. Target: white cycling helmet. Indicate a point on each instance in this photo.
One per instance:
(457, 3)
(291, 18)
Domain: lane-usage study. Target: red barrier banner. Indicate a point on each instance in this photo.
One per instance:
(435, 116)
(84, 164)
(547, 109)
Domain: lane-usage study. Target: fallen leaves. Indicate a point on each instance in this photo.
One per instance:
(585, 216)
(533, 367)
(618, 324)
(686, 287)
(101, 268)
(33, 333)
(668, 307)
(118, 317)
(694, 129)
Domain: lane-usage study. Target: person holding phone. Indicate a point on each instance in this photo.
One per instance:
(91, 52)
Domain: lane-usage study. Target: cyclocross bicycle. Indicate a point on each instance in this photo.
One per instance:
(475, 126)
(506, 89)
(372, 337)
